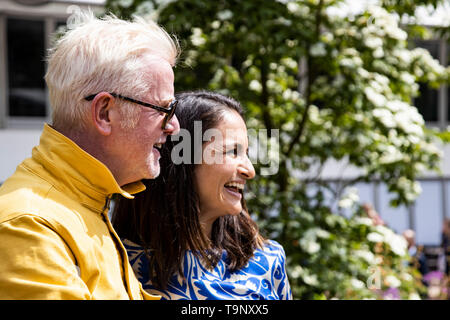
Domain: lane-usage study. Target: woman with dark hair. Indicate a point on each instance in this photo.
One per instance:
(189, 235)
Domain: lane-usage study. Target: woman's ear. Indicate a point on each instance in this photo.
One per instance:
(101, 108)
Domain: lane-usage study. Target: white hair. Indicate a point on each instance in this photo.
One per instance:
(102, 55)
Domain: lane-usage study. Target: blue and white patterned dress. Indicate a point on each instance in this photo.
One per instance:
(263, 278)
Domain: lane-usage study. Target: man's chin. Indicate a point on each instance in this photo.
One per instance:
(154, 172)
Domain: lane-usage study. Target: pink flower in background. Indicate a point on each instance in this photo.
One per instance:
(433, 277)
(391, 294)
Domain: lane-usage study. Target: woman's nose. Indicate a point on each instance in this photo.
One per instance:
(246, 169)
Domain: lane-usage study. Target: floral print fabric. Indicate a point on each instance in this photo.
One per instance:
(263, 278)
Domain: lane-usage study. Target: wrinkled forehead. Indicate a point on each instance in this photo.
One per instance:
(158, 69)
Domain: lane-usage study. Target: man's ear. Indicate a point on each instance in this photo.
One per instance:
(101, 109)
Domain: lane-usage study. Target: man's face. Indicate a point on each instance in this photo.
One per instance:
(138, 145)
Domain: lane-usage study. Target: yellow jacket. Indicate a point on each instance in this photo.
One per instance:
(56, 241)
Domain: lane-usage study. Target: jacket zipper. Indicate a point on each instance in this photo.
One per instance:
(105, 212)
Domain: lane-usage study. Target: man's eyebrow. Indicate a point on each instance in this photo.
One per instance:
(165, 103)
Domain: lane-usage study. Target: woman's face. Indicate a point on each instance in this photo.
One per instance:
(221, 178)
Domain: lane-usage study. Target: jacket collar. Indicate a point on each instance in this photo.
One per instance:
(76, 173)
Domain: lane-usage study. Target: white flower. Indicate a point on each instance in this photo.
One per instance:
(311, 279)
(366, 255)
(395, 139)
(378, 53)
(377, 99)
(403, 55)
(287, 94)
(364, 221)
(225, 15)
(274, 86)
(407, 77)
(396, 242)
(430, 148)
(309, 245)
(255, 85)
(397, 33)
(163, 2)
(215, 24)
(391, 155)
(381, 79)
(347, 62)
(357, 284)
(296, 272)
(125, 3)
(293, 7)
(314, 233)
(350, 52)
(403, 183)
(289, 62)
(373, 42)
(417, 189)
(395, 105)
(377, 86)
(407, 277)
(414, 296)
(318, 50)
(419, 167)
(385, 117)
(375, 237)
(197, 37)
(392, 281)
(363, 73)
(327, 37)
(314, 115)
(349, 199)
(145, 8)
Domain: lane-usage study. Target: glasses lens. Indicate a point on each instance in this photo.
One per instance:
(172, 107)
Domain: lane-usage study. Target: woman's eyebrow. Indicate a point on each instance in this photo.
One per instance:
(235, 145)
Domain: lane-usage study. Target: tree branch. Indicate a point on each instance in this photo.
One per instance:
(268, 123)
(310, 79)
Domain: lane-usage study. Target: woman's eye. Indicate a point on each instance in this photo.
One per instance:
(233, 152)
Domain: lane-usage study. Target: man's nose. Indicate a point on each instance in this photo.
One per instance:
(172, 126)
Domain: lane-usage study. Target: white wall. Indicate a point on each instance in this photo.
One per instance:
(15, 146)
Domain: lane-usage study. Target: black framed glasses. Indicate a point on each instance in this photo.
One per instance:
(169, 111)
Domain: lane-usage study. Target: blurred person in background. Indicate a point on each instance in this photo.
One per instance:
(445, 244)
(419, 260)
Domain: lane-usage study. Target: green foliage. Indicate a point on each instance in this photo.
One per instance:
(444, 136)
(337, 88)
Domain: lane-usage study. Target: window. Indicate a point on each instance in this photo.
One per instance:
(427, 101)
(26, 68)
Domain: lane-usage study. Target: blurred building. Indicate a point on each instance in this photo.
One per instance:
(26, 27)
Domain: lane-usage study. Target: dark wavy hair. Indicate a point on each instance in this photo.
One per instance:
(164, 218)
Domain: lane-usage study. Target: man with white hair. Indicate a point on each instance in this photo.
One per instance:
(111, 90)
